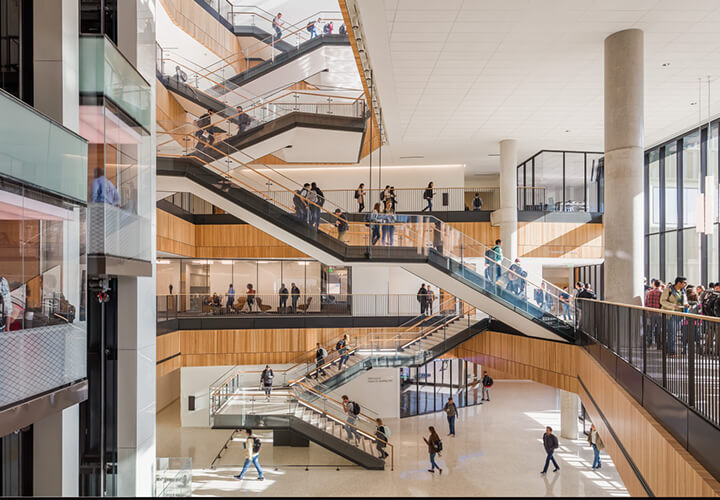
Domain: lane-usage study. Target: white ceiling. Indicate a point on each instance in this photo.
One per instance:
(456, 76)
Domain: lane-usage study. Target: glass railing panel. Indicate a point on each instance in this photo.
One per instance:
(104, 70)
(60, 166)
(36, 360)
(173, 477)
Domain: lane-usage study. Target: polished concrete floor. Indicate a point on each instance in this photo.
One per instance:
(497, 452)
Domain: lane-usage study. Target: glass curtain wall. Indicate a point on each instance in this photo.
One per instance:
(680, 176)
(561, 181)
(185, 285)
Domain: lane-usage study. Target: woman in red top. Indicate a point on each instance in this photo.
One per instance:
(250, 297)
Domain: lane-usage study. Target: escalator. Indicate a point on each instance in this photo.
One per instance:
(425, 246)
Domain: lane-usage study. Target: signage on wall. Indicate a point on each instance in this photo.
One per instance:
(380, 380)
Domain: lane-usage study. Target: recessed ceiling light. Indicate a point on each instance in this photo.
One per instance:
(665, 65)
(411, 157)
(694, 103)
(567, 131)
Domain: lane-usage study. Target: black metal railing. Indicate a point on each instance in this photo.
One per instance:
(668, 361)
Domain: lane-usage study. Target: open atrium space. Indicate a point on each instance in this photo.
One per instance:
(359, 248)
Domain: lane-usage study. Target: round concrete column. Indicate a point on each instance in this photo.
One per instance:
(507, 215)
(624, 131)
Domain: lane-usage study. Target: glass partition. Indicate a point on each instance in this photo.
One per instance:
(561, 181)
(42, 292)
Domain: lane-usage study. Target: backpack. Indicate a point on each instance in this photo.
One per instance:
(477, 202)
(357, 194)
(355, 408)
(323, 352)
(438, 446)
(427, 194)
(490, 254)
(340, 345)
(343, 30)
(489, 381)
(256, 444)
(708, 304)
(386, 431)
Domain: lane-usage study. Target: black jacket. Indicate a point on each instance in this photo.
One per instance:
(284, 292)
(550, 442)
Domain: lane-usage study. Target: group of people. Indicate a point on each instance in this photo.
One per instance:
(205, 132)
(308, 202)
(252, 303)
(426, 298)
(311, 27)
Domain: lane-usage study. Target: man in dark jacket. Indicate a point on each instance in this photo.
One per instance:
(422, 298)
(284, 294)
(452, 413)
(550, 442)
(295, 292)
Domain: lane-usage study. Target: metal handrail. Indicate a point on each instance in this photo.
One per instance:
(712, 319)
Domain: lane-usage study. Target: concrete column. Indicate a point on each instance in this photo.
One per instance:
(569, 410)
(56, 60)
(136, 386)
(506, 216)
(56, 454)
(624, 129)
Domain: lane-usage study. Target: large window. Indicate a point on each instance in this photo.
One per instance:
(677, 173)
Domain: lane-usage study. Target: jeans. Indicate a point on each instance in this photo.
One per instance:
(230, 302)
(375, 233)
(451, 423)
(429, 205)
(385, 233)
(433, 465)
(548, 459)
(283, 304)
(313, 32)
(278, 32)
(315, 216)
(344, 356)
(596, 458)
(391, 236)
(565, 310)
(301, 212)
(486, 393)
(294, 302)
(318, 365)
(255, 462)
(267, 389)
(349, 427)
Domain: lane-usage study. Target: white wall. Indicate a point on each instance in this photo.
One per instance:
(381, 281)
(196, 381)
(377, 389)
(167, 389)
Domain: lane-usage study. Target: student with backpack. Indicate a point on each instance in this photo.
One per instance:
(452, 413)
(320, 355)
(434, 448)
(342, 348)
(487, 383)
(266, 379)
(352, 410)
(382, 433)
(252, 449)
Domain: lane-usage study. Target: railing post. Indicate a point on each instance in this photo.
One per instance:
(691, 362)
(630, 336)
(644, 340)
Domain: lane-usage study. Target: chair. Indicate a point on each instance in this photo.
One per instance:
(304, 307)
(261, 306)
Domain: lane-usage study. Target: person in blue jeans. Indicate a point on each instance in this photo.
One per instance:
(451, 411)
(597, 445)
(252, 450)
(434, 448)
(550, 442)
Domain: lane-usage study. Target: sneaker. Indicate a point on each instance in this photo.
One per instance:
(440, 471)
(261, 479)
(238, 477)
(543, 472)
(431, 470)
(556, 469)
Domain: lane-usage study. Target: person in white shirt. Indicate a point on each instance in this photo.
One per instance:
(252, 452)
(597, 445)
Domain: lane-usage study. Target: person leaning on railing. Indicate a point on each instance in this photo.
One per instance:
(673, 299)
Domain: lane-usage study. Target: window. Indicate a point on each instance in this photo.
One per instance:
(654, 255)
(574, 182)
(654, 181)
(671, 193)
(691, 178)
(671, 270)
(691, 256)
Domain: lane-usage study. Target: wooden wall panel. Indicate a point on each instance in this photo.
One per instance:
(482, 232)
(240, 241)
(665, 465)
(560, 239)
(175, 235)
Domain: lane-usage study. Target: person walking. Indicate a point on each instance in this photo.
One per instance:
(352, 410)
(309, 198)
(266, 379)
(428, 196)
(393, 198)
(596, 443)
(277, 25)
(300, 205)
(497, 257)
(434, 448)
(382, 433)
(230, 298)
(252, 450)
(516, 278)
(388, 237)
(250, 297)
(422, 298)
(295, 294)
(284, 294)
(360, 197)
(343, 348)
(341, 225)
(452, 412)
(312, 28)
(565, 303)
(487, 383)
(550, 443)
(320, 355)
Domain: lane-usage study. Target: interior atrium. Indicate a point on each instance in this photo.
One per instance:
(288, 248)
